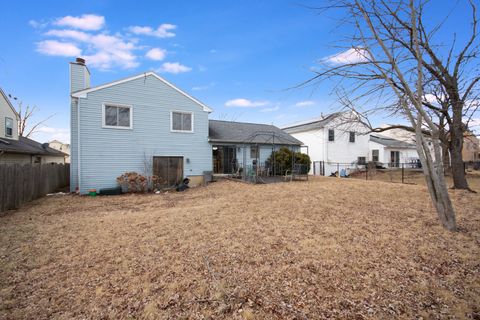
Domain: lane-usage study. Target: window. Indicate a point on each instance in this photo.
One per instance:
(254, 152)
(362, 160)
(375, 155)
(352, 136)
(117, 116)
(331, 135)
(8, 127)
(182, 121)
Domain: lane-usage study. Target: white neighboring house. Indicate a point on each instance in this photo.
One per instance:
(392, 153)
(334, 142)
(64, 147)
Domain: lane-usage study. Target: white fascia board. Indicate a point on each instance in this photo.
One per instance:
(83, 93)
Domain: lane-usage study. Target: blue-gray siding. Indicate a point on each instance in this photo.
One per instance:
(107, 153)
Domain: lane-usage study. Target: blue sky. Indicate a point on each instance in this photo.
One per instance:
(237, 57)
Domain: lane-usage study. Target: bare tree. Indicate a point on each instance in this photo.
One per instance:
(25, 127)
(391, 64)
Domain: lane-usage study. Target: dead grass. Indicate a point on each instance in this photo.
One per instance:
(327, 248)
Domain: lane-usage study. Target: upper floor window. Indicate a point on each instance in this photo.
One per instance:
(375, 155)
(117, 116)
(182, 121)
(331, 135)
(352, 136)
(8, 127)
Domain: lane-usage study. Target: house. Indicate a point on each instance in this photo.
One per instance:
(471, 147)
(335, 141)
(392, 153)
(141, 123)
(15, 149)
(64, 147)
(147, 125)
(240, 145)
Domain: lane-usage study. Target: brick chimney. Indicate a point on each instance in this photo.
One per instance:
(79, 75)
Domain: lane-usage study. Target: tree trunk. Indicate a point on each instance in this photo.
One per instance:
(456, 146)
(435, 179)
(446, 159)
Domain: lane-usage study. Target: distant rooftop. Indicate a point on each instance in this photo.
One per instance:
(390, 142)
(244, 132)
(314, 123)
(28, 146)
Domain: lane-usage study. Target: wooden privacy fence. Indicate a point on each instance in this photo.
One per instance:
(23, 183)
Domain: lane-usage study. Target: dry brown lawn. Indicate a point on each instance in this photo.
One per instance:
(326, 248)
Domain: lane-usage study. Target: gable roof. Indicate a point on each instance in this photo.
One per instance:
(8, 102)
(311, 124)
(390, 143)
(251, 133)
(28, 146)
(83, 93)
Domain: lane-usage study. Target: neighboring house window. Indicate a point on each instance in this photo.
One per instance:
(8, 127)
(352, 136)
(362, 160)
(331, 135)
(182, 121)
(116, 116)
(375, 155)
(254, 152)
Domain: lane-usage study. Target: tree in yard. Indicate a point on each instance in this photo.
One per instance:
(25, 127)
(393, 61)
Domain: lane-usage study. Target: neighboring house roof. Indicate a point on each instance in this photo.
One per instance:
(243, 132)
(28, 146)
(8, 102)
(311, 124)
(83, 93)
(390, 143)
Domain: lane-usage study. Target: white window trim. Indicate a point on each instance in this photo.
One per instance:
(183, 112)
(8, 135)
(121, 106)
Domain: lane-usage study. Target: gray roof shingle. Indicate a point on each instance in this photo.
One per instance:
(391, 143)
(243, 132)
(27, 146)
(311, 124)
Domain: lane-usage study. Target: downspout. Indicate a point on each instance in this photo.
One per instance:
(78, 146)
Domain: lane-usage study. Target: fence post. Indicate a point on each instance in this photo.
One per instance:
(366, 172)
(403, 172)
(338, 170)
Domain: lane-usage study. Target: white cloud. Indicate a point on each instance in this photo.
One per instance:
(245, 103)
(57, 48)
(83, 22)
(36, 24)
(69, 34)
(156, 54)
(104, 51)
(45, 134)
(276, 108)
(173, 67)
(163, 30)
(306, 103)
(352, 55)
(201, 88)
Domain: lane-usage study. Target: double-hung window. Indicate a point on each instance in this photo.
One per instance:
(181, 121)
(331, 135)
(8, 127)
(352, 136)
(117, 116)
